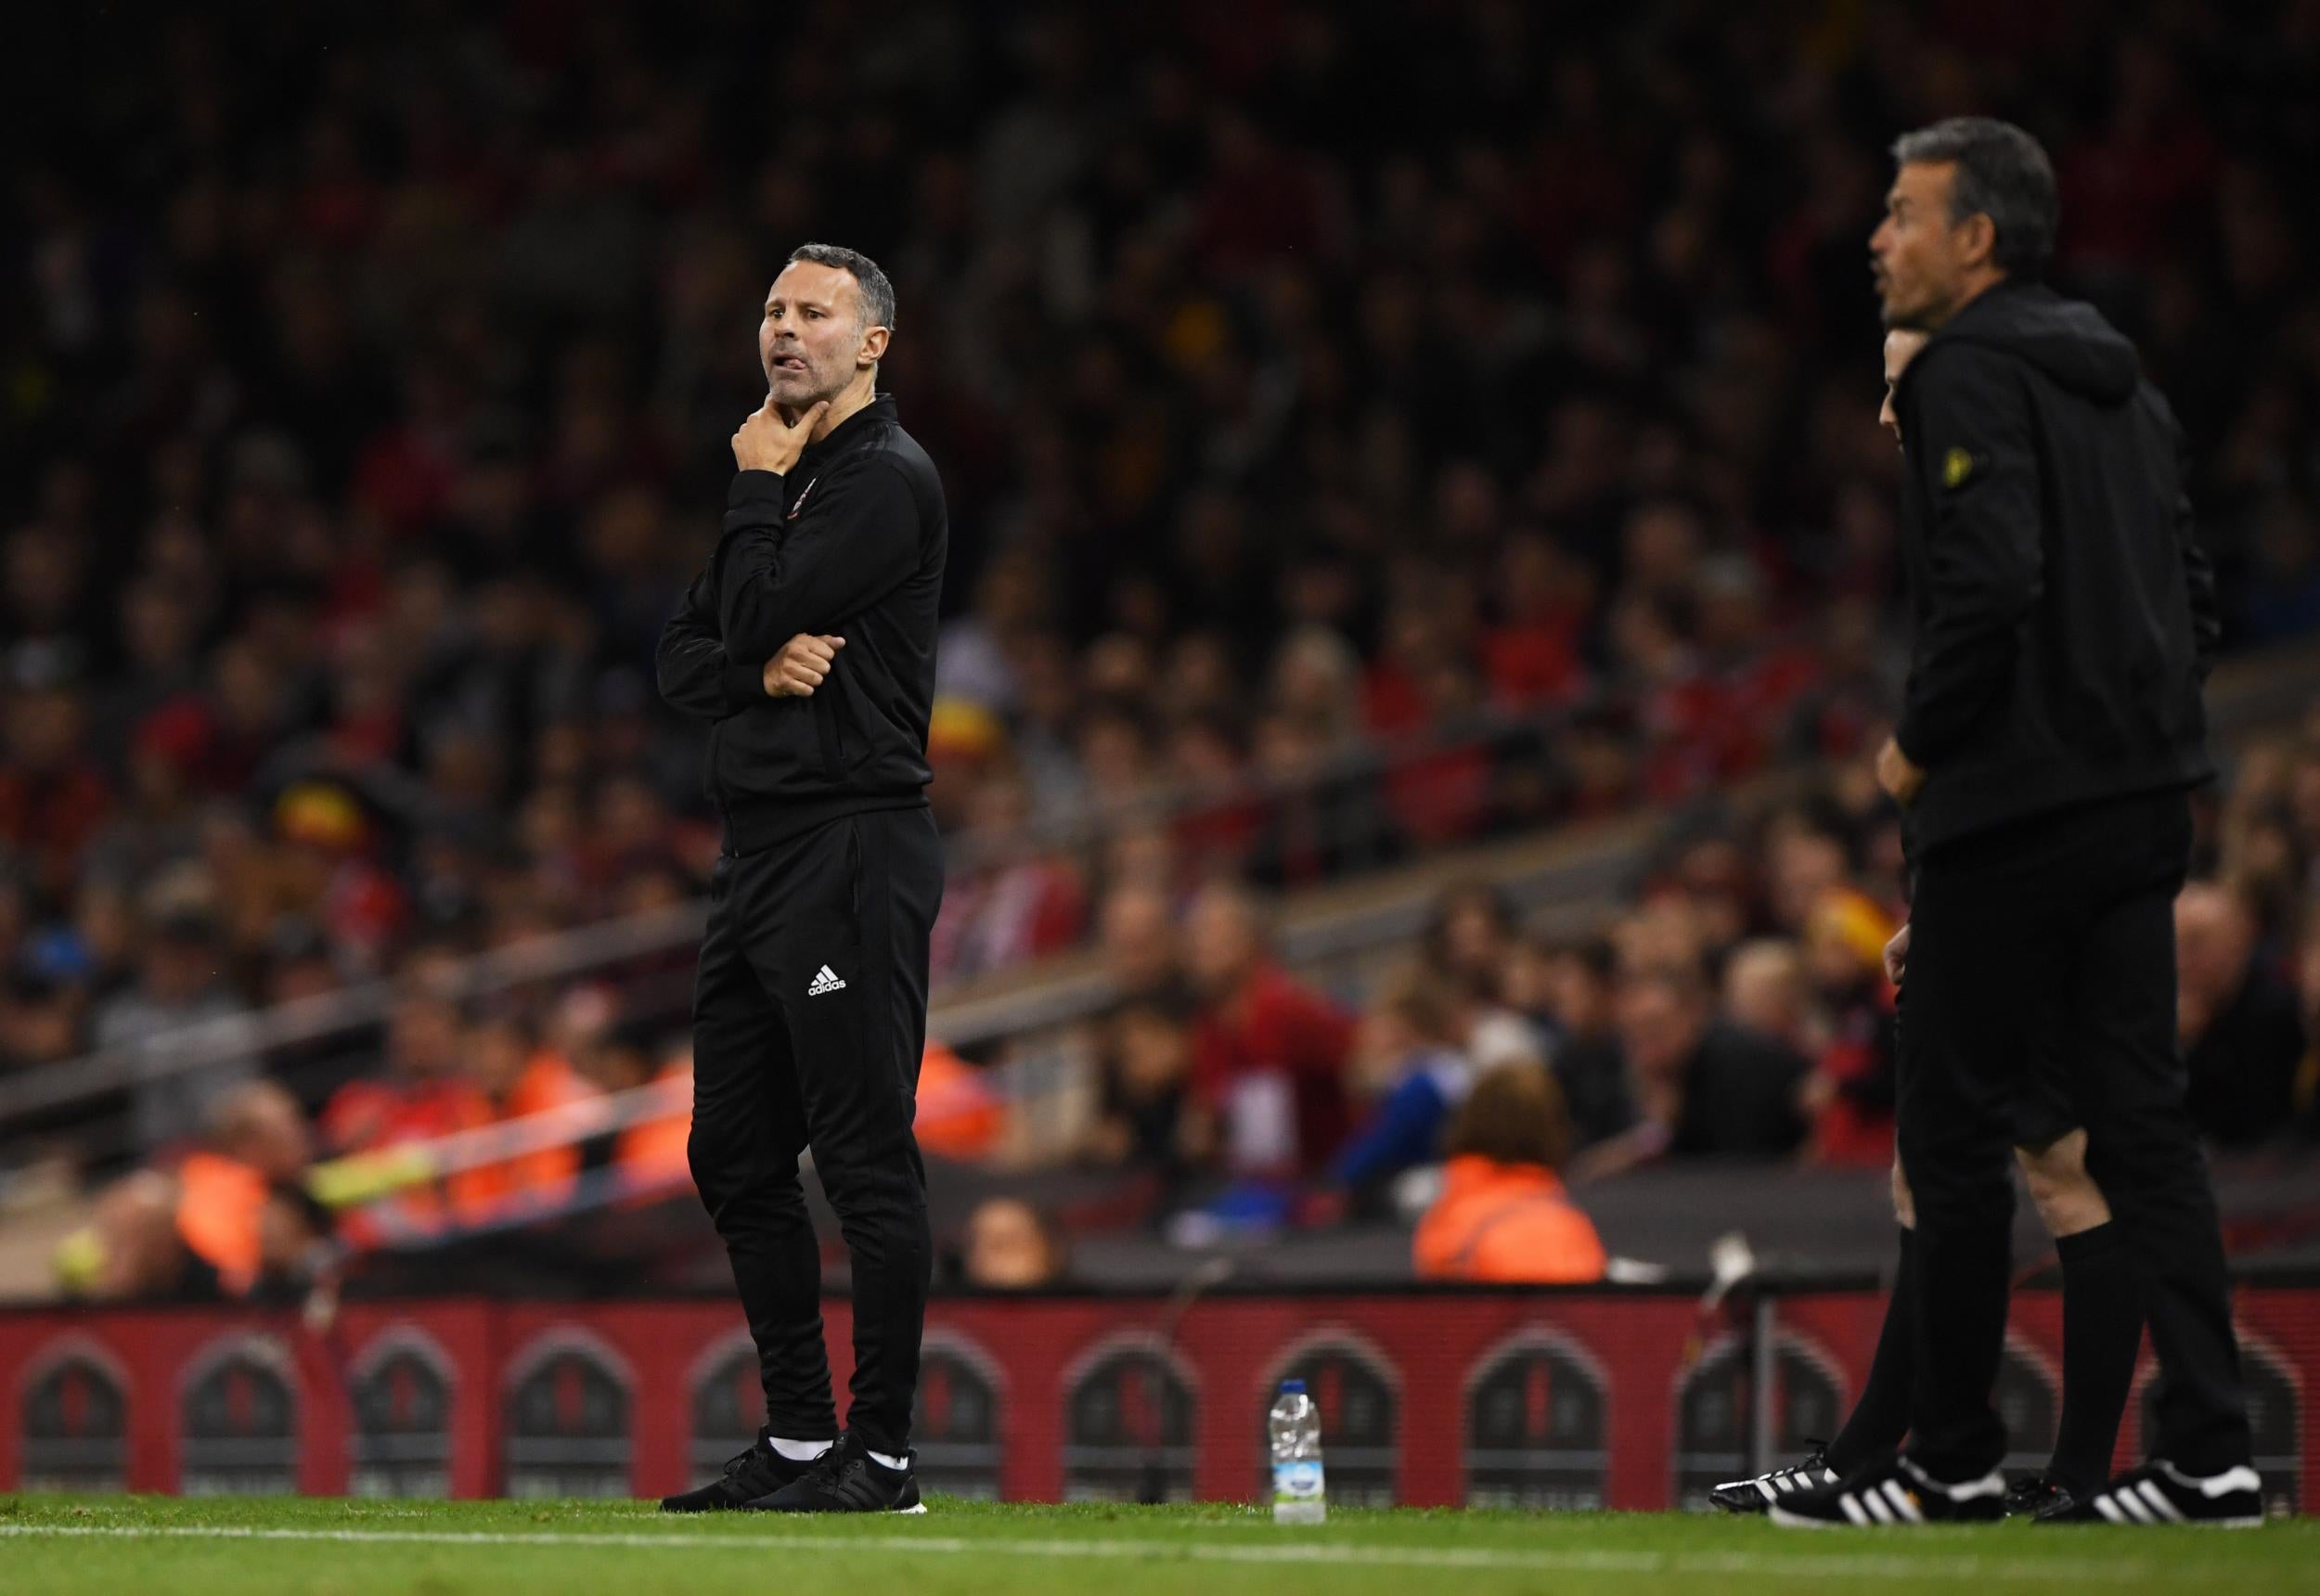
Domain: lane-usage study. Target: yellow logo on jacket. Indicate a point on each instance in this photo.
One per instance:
(1956, 466)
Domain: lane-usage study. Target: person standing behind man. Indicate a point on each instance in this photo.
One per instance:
(2102, 1315)
(807, 644)
(2050, 733)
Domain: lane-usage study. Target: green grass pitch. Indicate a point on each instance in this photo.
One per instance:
(242, 1547)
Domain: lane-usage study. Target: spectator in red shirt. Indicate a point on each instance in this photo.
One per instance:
(1414, 647)
(1019, 906)
(329, 866)
(1674, 706)
(1757, 681)
(1269, 1054)
(424, 1094)
(52, 797)
(1542, 597)
(1441, 795)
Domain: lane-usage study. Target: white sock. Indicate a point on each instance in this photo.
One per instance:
(798, 1451)
(882, 1461)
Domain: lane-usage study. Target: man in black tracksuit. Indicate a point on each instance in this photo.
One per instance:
(2052, 729)
(807, 644)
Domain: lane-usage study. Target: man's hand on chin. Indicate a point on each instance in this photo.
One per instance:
(766, 443)
(1900, 778)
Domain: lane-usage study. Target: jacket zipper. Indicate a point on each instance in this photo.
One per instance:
(826, 731)
(716, 779)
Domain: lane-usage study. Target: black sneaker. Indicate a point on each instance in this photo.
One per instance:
(2039, 1495)
(1896, 1492)
(2161, 1493)
(1756, 1495)
(847, 1479)
(758, 1472)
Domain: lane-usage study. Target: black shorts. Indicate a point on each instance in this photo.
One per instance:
(2041, 982)
(2046, 1105)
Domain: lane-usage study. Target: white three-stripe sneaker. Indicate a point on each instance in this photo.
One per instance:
(1897, 1492)
(2161, 1493)
(1757, 1493)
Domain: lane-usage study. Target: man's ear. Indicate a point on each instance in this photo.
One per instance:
(1977, 240)
(873, 348)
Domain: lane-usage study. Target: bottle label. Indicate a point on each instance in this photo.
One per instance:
(1299, 1479)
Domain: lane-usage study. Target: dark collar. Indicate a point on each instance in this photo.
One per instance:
(1997, 300)
(851, 431)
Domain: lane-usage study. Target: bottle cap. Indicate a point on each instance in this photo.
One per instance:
(1293, 1387)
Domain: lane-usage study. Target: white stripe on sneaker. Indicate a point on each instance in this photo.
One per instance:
(1853, 1510)
(1991, 1484)
(1901, 1504)
(2242, 1478)
(2131, 1505)
(1878, 1508)
(1766, 1487)
(2155, 1499)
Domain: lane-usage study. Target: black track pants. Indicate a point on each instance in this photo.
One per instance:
(809, 1018)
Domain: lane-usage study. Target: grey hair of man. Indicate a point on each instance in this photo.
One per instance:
(2001, 173)
(877, 292)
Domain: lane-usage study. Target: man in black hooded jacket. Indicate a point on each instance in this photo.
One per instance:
(807, 645)
(2050, 731)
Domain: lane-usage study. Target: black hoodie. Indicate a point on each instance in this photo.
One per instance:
(2064, 614)
(850, 542)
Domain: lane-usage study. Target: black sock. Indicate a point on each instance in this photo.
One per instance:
(2102, 1331)
(1881, 1418)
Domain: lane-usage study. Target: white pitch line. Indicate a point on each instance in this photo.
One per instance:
(1951, 1570)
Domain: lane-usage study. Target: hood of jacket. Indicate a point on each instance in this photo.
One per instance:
(2066, 339)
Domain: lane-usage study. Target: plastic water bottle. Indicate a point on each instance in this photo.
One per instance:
(1296, 1427)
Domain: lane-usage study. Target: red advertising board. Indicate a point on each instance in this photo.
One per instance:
(1540, 1398)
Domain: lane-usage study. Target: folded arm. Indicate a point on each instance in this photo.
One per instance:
(696, 676)
(781, 578)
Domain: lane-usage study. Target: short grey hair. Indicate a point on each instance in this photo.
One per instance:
(878, 294)
(2003, 174)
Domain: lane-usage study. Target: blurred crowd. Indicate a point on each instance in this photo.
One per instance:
(1738, 1008)
(482, 1117)
(1365, 481)
(1367, 429)
(1735, 1008)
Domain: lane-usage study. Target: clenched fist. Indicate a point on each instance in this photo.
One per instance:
(801, 666)
(766, 443)
(1899, 778)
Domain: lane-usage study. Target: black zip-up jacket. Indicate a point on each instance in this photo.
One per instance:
(850, 543)
(2065, 613)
